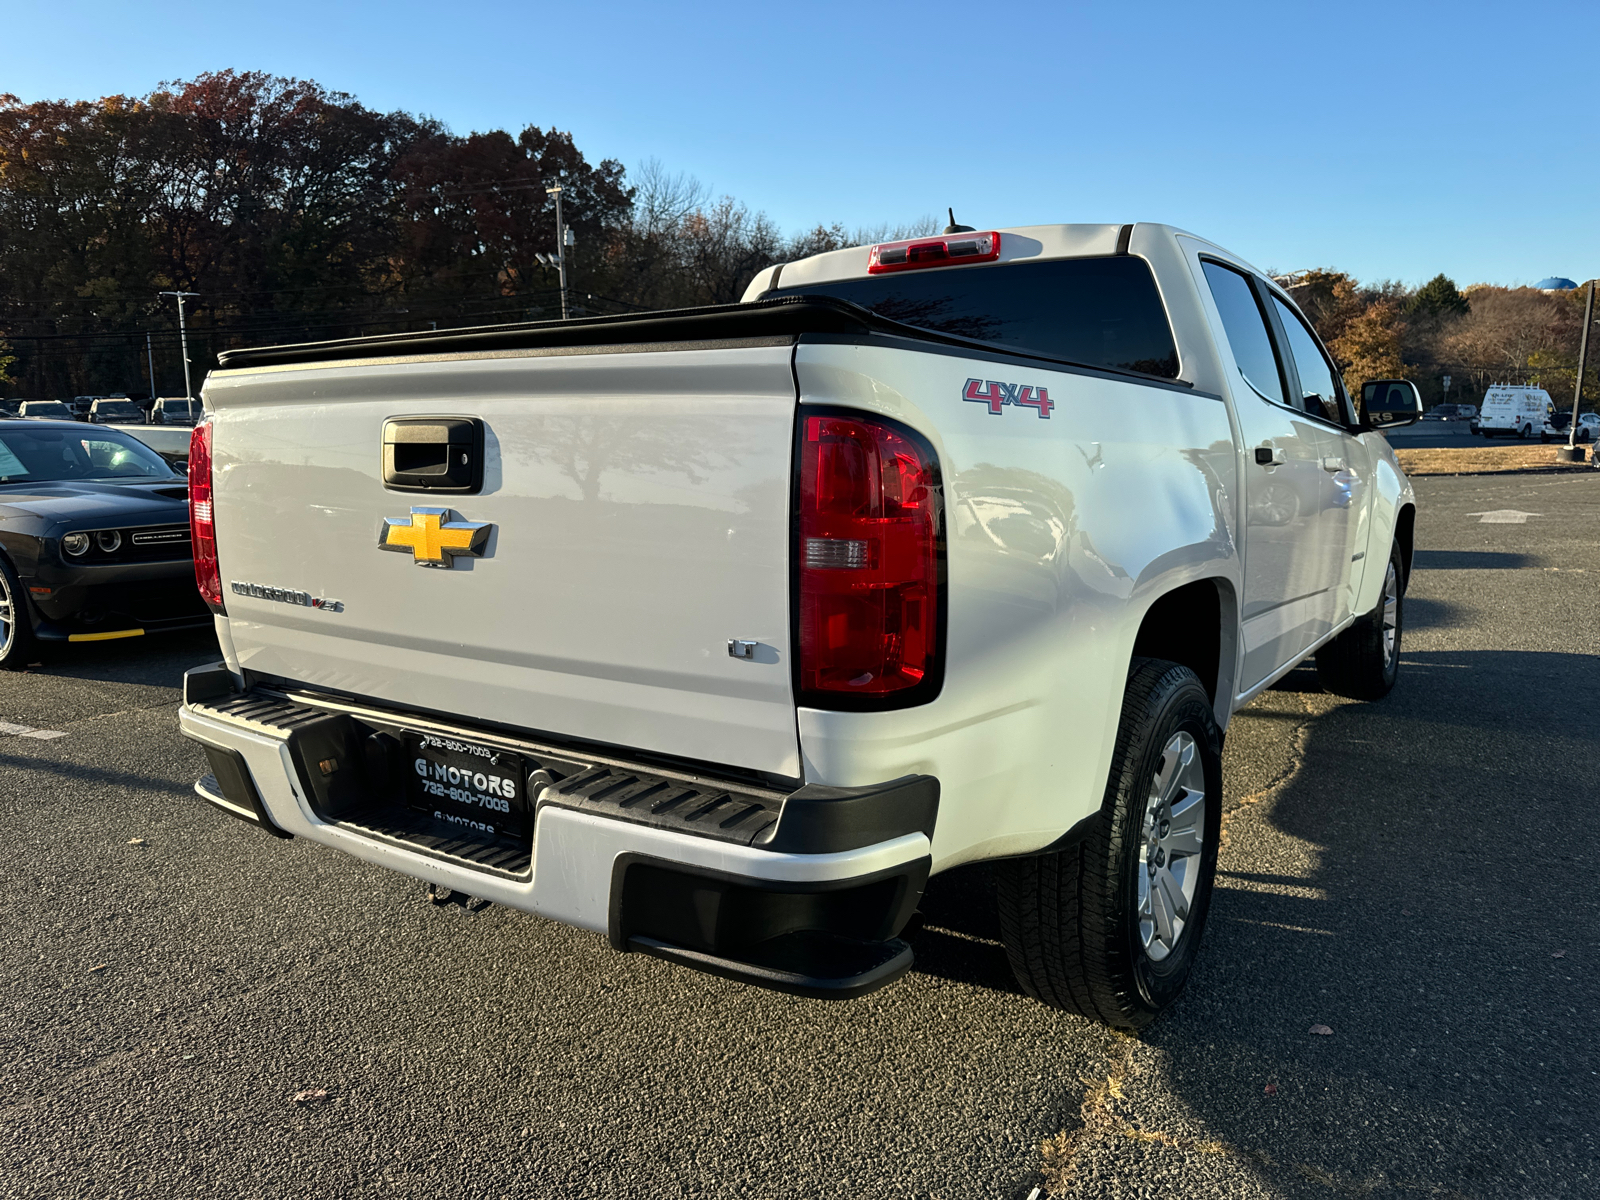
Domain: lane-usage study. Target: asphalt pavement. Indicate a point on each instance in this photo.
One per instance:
(1435, 435)
(1414, 875)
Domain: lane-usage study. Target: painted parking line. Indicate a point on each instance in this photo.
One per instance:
(28, 731)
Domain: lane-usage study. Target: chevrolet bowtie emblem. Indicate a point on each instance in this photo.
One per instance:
(432, 538)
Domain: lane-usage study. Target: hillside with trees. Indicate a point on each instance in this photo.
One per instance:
(296, 213)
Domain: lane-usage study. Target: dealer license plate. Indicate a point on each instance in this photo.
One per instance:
(477, 789)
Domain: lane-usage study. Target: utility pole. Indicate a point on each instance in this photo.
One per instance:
(150, 357)
(564, 239)
(1570, 452)
(183, 337)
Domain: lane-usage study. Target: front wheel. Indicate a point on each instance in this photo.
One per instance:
(17, 643)
(1108, 927)
(1363, 662)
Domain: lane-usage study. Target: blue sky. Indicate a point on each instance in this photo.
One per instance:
(1392, 140)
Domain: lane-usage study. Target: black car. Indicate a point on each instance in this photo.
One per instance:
(94, 539)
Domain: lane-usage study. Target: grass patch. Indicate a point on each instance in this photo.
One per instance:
(1475, 460)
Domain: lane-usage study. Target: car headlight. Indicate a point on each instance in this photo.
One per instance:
(75, 544)
(108, 540)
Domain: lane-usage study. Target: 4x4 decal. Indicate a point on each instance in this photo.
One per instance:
(997, 395)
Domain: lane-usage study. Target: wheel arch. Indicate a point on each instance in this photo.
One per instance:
(1405, 525)
(1196, 625)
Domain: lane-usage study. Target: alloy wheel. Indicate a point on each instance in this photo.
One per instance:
(7, 618)
(1391, 615)
(1171, 843)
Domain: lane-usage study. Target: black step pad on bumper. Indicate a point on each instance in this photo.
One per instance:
(813, 819)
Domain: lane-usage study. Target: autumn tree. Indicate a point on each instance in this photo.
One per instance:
(473, 217)
(1368, 346)
(1330, 300)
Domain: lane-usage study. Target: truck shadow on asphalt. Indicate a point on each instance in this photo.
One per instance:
(1411, 886)
(957, 931)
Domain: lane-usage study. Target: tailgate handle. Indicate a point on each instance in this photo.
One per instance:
(433, 454)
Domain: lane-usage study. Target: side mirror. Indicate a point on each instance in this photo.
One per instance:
(1390, 403)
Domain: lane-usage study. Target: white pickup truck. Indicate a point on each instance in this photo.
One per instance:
(718, 631)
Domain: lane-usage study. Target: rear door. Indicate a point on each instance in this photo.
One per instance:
(637, 507)
(1287, 588)
(1346, 462)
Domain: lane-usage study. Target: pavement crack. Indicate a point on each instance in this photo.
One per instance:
(1095, 1119)
(1298, 738)
(165, 706)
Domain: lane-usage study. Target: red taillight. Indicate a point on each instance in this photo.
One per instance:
(943, 251)
(202, 521)
(868, 562)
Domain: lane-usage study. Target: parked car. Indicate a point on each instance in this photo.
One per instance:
(932, 552)
(1448, 412)
(94, 539)
(177, 410)
(1557, 424)
(115, 412)
(11, 408)
(1513, 411)
(82, 404)
(53, 410)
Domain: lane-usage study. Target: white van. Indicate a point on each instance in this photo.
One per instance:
(1513, 411)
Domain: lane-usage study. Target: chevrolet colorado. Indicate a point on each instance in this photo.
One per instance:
(718, 631)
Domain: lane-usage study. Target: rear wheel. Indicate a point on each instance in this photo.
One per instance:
(17, 643)
(1363, 662)
(1108, 927)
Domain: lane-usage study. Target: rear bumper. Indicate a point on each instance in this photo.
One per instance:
(804, 892)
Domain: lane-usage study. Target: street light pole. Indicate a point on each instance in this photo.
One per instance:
(561, 246)
(183, 337)
(1570, 452)
(150, 357)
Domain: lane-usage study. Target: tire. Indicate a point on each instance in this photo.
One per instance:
(1081, 925)
(17, 645)
(1363, 662)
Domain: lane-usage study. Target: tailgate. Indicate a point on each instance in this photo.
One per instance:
(639, 505)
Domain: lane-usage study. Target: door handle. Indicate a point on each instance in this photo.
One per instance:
(1333, 465)
(1271, 456)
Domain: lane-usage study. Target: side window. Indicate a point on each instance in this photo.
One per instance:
(1246, 327)
(1319, 390)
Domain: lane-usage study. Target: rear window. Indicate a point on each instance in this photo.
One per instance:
(1097, 312)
